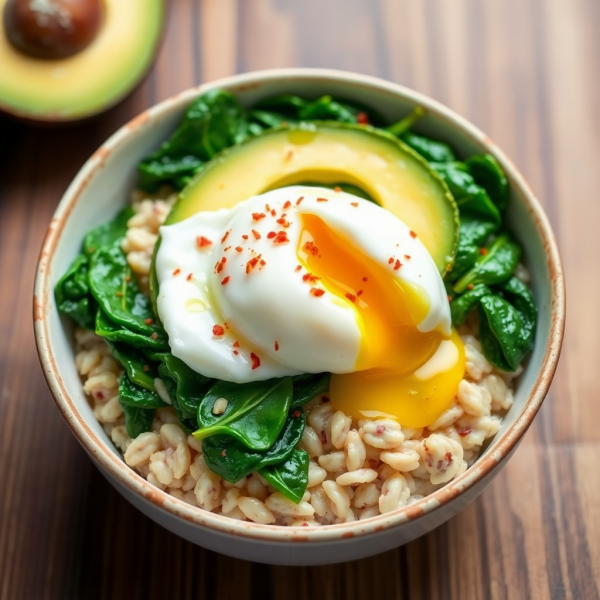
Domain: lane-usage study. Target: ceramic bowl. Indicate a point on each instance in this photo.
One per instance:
(103, 186)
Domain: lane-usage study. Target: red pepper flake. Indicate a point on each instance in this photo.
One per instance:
(127, 278)
(226, 249)
(287, 204)
(298, 268)
(276, 345)
(176, 272)
(483, 251)
(267, 208)
(223, 453)
(283, 222)
(337, 188)
(449, 298)
(236, 352)
(119, 294)
(262, 262)
(281, 238)
(296, 414)
(220, 265)
(255, 361)
(148, 321)
(258, 216)
(244, 237)
(226, 280)
(355, 204)
(362, 118)
(397, 265)
(391, 260)
(225, 236)
(316, 292)
(236, 344)
(413, 234)
(323, 437)
(351, 297)
(252, 263)
(271, 235)
(470, 286)
(146, 368)
(189, 277)
(407, 256)
(154, 336)
(322, 200)
(365, 279)
(465, 432)
(310, 278)
(299, 200)
(273, 213)
(218, 331)
(202, 241)
(239, 249)
(311, 248)
(256, 235)
(100, 395)
(359, 293)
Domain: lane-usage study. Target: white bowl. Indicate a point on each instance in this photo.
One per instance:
(103, 186)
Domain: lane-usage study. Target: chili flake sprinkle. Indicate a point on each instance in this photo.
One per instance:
(239, 249)
(283, 221)
(296, 414)
(355, 204)
(148, 321)
(337, 188)
(119, 294)
(483, 251)
(223, 453)
(351, 297)
(236, 352)
(225, 236)
(154, 336)
(256, 235)
(226, 280)
(298, 268)
(252, 263)
(281, 238)
(391, 260)
(311, 248)
(271, 235)
(244, 237)
(413, 234)
(397, 265)
(276, 345)
(267, 208)
(310, 278)
(316, 292)
(220, 265)
(146, 368)
(465, 432)
(202, 241)
(362, 118)
(236, 344)
(322, 200)
(258, 216)
(255, 361)
(470, 286)
(407, 256)
(365, 279)
(127, 278)
(449, 298)
(176, 271)
(273, 213)
(299, 200)
(287, 204)
(218, 331)
(359, 293)
(189, 277)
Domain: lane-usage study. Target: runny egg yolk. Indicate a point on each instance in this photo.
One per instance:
(400, 371)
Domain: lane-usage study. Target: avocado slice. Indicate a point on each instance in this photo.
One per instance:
(379, 164)
(91, 80)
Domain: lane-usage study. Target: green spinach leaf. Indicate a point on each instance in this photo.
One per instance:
(495, 266)
(326, 108)
(289, 477)
(108, 233)
(135, 395)
(186, 419)
(232, 460)
(255, 411)
(268, 119)
(118, 294)
(488, 173)
(403, 125)
(117, 333)
(462, 305)
(73, 296)
(288, 105)
(430, 150)
(309, 386)
(137, 420)
(139, 369)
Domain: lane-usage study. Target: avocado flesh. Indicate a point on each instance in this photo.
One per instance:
(91, 80)
(328, 153)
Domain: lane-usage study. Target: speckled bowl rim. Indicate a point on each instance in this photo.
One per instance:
(501, 445)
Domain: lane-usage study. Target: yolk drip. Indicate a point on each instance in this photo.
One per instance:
(400, 372)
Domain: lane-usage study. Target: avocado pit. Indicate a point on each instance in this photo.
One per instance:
(52, 29)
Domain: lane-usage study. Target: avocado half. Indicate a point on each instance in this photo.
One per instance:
(387, 170)
(92, 80)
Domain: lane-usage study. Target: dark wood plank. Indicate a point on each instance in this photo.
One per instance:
(525, 71)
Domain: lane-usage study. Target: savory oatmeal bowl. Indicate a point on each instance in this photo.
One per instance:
(299, 316)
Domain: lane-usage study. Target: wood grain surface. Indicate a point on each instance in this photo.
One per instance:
(526, 72)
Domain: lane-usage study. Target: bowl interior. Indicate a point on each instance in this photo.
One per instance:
(104, 185)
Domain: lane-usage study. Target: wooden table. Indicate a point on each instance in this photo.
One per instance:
(526, 72)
